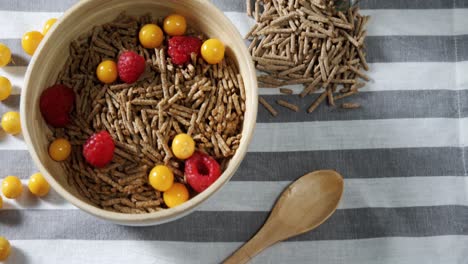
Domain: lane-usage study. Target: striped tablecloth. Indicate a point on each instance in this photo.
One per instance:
(403, 155)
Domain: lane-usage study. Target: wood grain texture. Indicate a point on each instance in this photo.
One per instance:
(303, 206)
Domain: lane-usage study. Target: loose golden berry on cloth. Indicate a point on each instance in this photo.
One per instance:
(5, 88)
(11, 123)
(49, 23)
(12, 187)
(31, 41)
(5, 55)
(5, 248)
(38, 185)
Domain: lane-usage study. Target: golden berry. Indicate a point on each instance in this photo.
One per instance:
(175, 25)
(31, 41)
(212, 51)
(12, 187)
(161, 178)
(151, 36)
(60, 149)
(176, 195)
(38, 185)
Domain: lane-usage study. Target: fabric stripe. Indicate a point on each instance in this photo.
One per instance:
(239, 226)
(239, 6)
(368, 163)
(358, 193)
(411, 48)
(461, 47)
(261, 196)
(416, 4)
(463, 130)
(37, 5)
(374, 105)
(463, 95)
(397, 49)
(16, 23)
(402, 250)
(9, 142)
(356, 134)
(12, 103)
(11, 160)
(414, 22)
(269, 166)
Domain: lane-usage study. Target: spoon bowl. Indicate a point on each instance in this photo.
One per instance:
(303, 206)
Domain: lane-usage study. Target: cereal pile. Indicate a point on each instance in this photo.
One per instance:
(310, 43)
(204, 101)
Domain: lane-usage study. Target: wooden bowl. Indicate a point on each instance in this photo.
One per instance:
(52, 54)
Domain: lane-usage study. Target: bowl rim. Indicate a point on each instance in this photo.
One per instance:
(165, 215)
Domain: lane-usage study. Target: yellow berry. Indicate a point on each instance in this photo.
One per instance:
(5, 88)
(151, 36)
(11, 123)
(212, 51)
(176, 195)
(183, 146)
(49, 23)
(38, 185)
(31, 41)
(161, 178)
(12, 187)
(5, 248)
(5, 55)
(175, 25)
(60, 149)
(107, 71)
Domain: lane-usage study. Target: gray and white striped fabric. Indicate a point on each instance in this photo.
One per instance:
(403, 155)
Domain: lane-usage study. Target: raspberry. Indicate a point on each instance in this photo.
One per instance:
(56, 103)
(130, 66)
(201, 171)
(180, 48)
(99, 149)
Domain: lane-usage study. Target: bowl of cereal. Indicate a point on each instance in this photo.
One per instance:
(138, 111)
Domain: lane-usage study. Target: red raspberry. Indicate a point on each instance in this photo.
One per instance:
(130, 66)
(56, 103)
(180, 48)
(99, 149)
(201, 171)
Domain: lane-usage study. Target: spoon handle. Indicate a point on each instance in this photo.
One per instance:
(254, 246)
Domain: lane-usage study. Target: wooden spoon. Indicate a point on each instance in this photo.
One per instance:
(303, 206)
